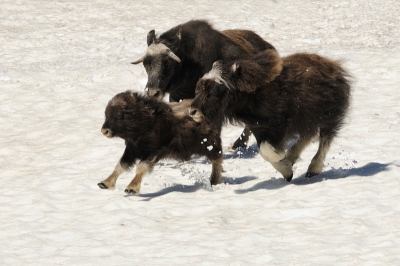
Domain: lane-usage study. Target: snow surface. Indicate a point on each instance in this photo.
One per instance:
(60, 63)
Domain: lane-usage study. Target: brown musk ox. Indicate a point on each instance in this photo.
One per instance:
(301, 96)
(153, 130)
(176, 59)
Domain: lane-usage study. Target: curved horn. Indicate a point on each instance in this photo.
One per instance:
(140, 60)
(173, 56)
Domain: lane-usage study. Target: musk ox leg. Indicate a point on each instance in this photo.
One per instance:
(142, 168)
(216, 177)
(285, 168)
(242, 140)
(109, 183)
(277, 159)
(317, 162)
(294, 152)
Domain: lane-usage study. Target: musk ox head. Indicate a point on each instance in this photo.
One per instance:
(160, 63)
(210, 95)
(215, 90)
(126, 116)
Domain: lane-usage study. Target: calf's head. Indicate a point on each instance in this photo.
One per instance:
(160, 63)
(123, 116)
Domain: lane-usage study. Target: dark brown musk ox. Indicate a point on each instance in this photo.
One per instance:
(176, 59)
(302, 96)
(153, 130)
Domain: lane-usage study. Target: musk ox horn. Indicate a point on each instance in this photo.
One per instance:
(140, 60)
(173, 56)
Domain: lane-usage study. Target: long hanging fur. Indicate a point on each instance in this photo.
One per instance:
(310, 96)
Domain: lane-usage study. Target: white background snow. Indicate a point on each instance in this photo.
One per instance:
(60, 63)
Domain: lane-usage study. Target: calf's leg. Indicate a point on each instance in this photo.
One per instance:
(142, 168)
(126, 161)
(216, 177)
(109, 183)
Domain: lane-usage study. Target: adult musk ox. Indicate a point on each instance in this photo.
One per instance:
(300, 96)
(153, 131)
(176, 59)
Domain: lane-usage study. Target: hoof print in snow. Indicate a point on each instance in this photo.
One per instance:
(102, 186)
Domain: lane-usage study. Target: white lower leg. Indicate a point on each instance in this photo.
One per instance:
(277, 159)
(142, 168)
(270, 154)
(112, 179)
(285, 168)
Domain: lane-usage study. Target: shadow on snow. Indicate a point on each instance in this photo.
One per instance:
(193, 188)
(369, 169)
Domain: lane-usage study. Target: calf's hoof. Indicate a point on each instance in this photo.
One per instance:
(102, 185)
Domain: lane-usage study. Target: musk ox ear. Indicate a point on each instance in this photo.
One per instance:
(217, 64)
(151, 37)
(235, 68)
(179, 34)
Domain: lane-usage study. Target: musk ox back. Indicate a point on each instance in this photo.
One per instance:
(300, 96)
(153, 131)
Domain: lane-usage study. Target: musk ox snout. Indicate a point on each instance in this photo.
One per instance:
(195, 114)
(107, 132)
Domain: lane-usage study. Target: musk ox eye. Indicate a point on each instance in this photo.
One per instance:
(120, 116)
(214, 91)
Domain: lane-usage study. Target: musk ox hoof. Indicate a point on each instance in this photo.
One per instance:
(102, 185)
(311, 174)
(215, 182)
(289, 178)
(237, 144)
(131, 191)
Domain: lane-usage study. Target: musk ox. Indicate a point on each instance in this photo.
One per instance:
(299, 96)
(176, 59)
(153, 130)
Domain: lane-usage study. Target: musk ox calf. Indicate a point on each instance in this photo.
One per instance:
(299, 96)
(153, 131)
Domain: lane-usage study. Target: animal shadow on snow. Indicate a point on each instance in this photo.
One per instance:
(192, 188)
(367, 170)
(242, 153)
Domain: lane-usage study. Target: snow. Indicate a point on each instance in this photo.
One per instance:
(62, 61)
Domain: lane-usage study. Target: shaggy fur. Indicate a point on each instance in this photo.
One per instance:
(152, 132)
(309, 97)
(198, 46)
